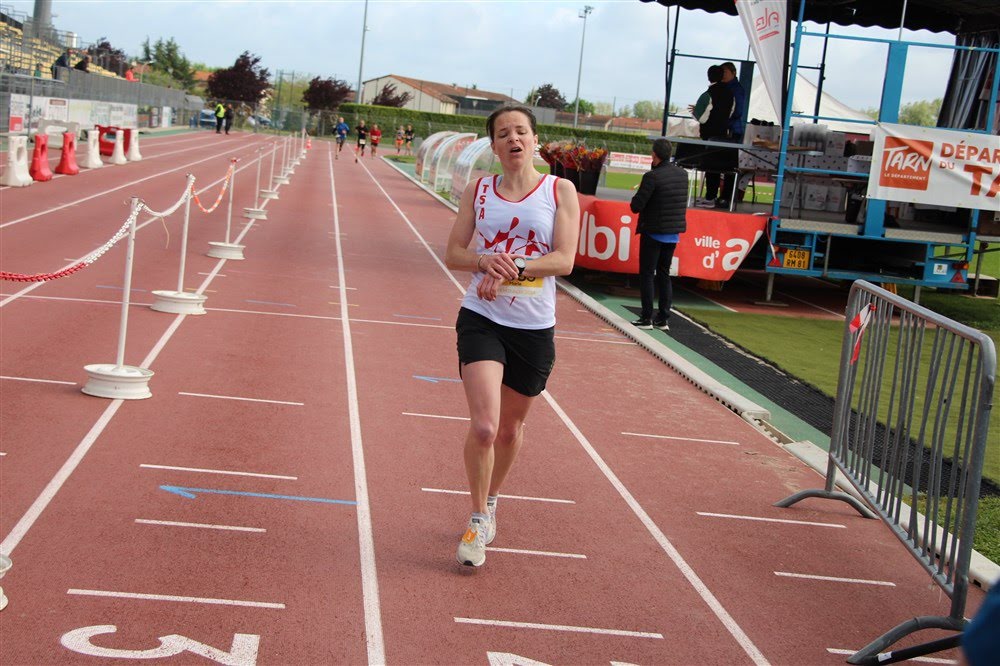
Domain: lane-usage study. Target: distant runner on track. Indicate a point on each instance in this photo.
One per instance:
(362, 140)
(514, 233)
(341, 131)
(376, 137)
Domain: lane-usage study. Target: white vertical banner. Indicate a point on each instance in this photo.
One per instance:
(765, 22)
(935, 166)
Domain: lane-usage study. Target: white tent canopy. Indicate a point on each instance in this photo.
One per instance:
(805, 102)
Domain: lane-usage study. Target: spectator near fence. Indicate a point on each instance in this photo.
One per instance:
(61, 61)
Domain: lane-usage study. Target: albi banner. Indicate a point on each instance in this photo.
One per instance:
(935, 166)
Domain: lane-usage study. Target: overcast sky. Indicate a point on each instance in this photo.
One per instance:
(506, 46)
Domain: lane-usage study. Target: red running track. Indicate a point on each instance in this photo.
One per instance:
(324, 375)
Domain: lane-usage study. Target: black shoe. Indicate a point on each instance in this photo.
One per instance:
(661, 324)
(722, 203)
(643, 323)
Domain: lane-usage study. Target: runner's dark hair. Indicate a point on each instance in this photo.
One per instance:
(507, 109)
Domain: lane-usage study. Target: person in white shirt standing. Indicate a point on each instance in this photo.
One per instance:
(514, 233)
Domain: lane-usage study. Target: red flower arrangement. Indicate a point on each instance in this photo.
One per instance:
(573, 156)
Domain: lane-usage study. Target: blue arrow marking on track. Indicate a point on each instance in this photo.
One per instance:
(435, 380)
(190, 493)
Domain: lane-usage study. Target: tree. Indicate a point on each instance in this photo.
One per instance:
(326, 94)
(246, 81)
(388, 97)
(166, 58)
(548, 96)
(923, 113)
(108, 57)
(624, 111)
(648, 110)
(870, 111)
(586, 108)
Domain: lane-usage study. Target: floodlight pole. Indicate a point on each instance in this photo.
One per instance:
(361, 63)
(579, 72)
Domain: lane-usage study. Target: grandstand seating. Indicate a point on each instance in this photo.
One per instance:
(20, 54)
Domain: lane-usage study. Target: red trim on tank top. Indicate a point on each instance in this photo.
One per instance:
(537, 185)
(555, 190)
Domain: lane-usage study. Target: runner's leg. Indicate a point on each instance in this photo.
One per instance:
(482, 383)
(514, 408)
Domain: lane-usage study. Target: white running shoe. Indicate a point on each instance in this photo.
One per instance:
(472, 547)
(491, 531)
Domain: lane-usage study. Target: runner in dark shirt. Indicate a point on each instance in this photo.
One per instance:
(362, 131)
(408, 135)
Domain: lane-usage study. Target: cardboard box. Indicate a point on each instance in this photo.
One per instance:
(835, 144)
(815, 196)
(859, 164)
(835, 198)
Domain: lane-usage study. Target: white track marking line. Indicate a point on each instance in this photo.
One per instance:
(233, 397)
(350, 305)
(41, 381)
(219, 471)
(727, 621)
(437, 416)
(834, 579)
(80, 300)
(333, 286)
(517, 497)
(927, 660)
(770, 520)
(24, 524)
(217, 274)
(545, 553)
(274, 314)
(2, 453)
(693, 579)
(172, 523)
(366, 542)
(113, 189)
(683, 439)
(402, 323)
(170, 597)
(36, 285)
(558, 627)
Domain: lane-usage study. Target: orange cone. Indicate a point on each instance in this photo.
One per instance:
(67, 162)
(39, 169)
(309, 142)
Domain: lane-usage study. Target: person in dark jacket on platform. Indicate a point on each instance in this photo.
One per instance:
(661, 202)
(713, 112)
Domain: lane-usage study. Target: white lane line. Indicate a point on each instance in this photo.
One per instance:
(204, 526)
(683, 439)
(724, 617)
(366, 541)
(2, 453)
(216, 275)
(926, 660)
(545, 553)
(220, 471)
(334, 286)
(557, 627)
(79, 300)
(275, 314)
(835, 579)
(350, 305)
(284, 305)
(437, 416)
(33, 379)
(517, 497)
(693, 579)
(403, 316)
(24, 524)
(607, 342)
(770, 520)
(233, 397)
(35, 285)
(402, 323)
(170, 597)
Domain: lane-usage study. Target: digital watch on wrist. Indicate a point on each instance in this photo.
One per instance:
(521, 263)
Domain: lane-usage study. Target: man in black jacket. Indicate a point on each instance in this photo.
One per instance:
(661, 202)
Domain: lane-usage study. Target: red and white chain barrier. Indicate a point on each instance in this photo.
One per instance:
(101, 251)
(225, 186)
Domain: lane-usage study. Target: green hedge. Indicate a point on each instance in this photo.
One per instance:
(426, 123)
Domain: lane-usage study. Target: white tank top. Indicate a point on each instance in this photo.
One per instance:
(525, 228)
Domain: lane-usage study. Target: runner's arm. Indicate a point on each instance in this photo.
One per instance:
(565, 236)
(458, 256)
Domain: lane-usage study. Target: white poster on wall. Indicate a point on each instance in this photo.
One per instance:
(765, 23)
(935, 166)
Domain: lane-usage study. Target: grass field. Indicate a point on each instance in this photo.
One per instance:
(626, 181)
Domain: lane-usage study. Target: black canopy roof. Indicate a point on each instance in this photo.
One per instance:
(954, 16)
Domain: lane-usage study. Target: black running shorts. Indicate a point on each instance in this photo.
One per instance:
(527, 355)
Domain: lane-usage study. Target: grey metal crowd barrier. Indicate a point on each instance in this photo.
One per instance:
(930, 381)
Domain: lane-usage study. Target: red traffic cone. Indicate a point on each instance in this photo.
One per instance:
(67, 162)
(39, 169)
(309, 142)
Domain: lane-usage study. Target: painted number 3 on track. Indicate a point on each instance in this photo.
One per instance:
(242, 653)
